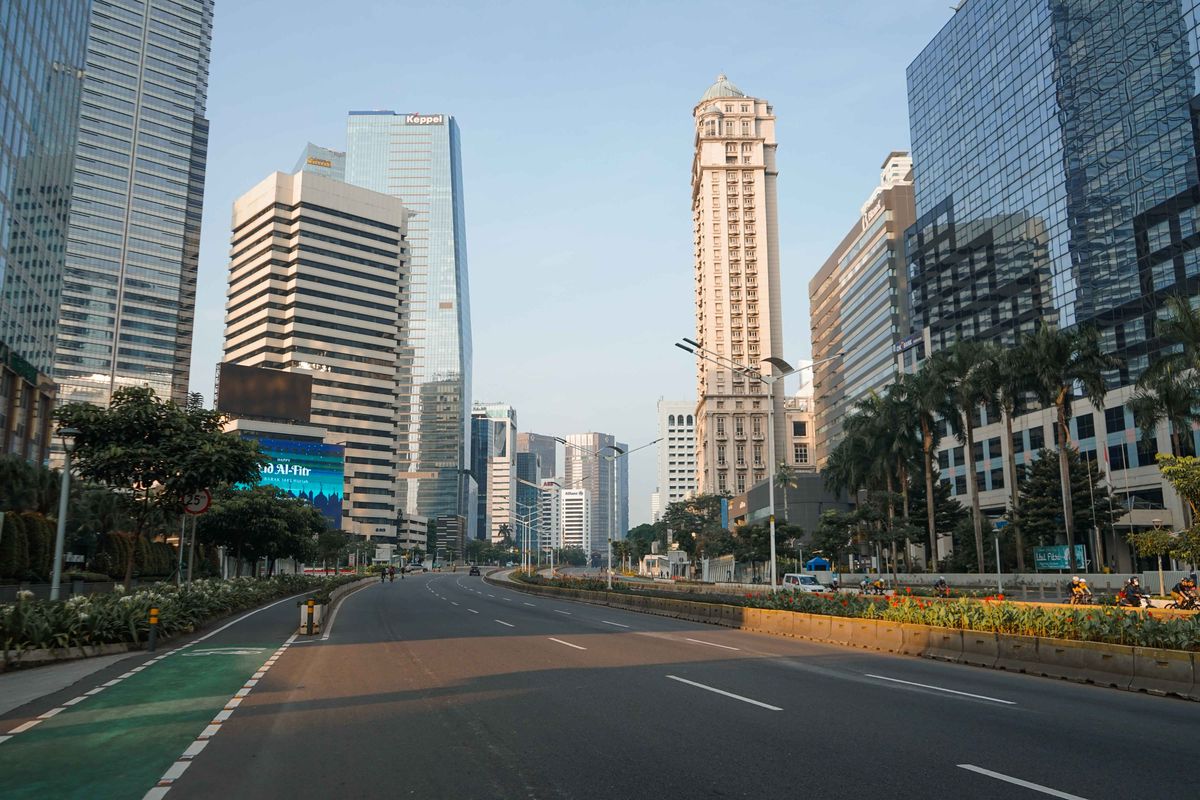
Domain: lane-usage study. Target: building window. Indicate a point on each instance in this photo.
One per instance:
(720, 426)
(745, 107)
(739, 426)
(1018, 443)
(720, 455)
(944, 459)
(741, 482)
(800, 453)
(740, 451)
(1037, 439)
(1118, 457)
(799, 428)
(960, 484)
(998, 478)
(758, 455)
(757, 426)
(1085, 426)
(1114, 419)
(720, 481)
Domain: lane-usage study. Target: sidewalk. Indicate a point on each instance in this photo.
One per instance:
(21, 686)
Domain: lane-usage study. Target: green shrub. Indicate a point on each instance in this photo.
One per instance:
(40, 543)
(9, 547)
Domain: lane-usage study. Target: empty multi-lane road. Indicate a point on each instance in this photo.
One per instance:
(443, 685)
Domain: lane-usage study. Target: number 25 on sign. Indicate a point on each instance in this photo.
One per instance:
(198, 503)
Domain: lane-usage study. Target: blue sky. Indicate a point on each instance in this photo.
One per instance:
(577, 144)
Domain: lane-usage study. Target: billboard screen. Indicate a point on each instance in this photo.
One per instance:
(263, 393)
(309, 470)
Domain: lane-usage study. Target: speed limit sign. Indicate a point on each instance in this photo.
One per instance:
(198, 503)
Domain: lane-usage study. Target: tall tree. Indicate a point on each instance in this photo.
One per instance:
(1059, 360)
(924, 394)
(155, 453)
(1008, 380)
(1179, 330)
(964, 367)
(1041, 512)
(784, 475)
(1166, 396)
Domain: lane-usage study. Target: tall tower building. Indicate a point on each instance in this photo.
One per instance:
(546, 448)
(576, 520)
(322, 161)
(129, 290)
(316, 284)
(416, 157)
(735, 220)
(40, 77)
(550, 514)
(494, 466)
(676, 453)
(858, 304)
(588, 465)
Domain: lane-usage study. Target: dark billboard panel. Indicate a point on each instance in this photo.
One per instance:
(260, 393)
(313, 471)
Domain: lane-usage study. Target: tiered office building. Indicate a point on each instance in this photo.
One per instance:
(738, 316)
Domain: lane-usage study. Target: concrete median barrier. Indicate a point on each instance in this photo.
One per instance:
(765, 620)
(812, 626)
(945, 644)
(980, 649)
(1163, 672)
(915, 639)
(841, 630)
(865, 633)
(1016, 653)
(1086, 662)
(889, 636)
(733, 616)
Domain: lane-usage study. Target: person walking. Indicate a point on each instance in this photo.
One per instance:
(392, 573)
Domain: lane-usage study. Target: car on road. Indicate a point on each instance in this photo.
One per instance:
(800, 582)
(416, 568)
(474, 571)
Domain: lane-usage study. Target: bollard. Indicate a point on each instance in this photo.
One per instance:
(311, 603)
(153, 629)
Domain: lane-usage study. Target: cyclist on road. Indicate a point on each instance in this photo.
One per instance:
(941, 588)
(382, 575)
(392, 573)
(1184, 592)
(1080, 593)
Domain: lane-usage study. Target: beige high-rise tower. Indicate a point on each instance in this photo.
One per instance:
(736, 222)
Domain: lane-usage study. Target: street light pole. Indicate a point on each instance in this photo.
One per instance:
(67, 435)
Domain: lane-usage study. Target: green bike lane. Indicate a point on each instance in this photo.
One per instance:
(119, 741)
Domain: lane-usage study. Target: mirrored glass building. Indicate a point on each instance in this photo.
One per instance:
(416, 157)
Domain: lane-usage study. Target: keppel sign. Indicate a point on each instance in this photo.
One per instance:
(427, 119)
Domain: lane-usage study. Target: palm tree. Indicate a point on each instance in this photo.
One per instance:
(905, 450)
(784, 475)
(923, 394)
(1009, 380)
(964, 367)
(1165, 396)
(1181, 330)
(1057, 361)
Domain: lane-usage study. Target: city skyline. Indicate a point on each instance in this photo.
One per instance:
(533, 258)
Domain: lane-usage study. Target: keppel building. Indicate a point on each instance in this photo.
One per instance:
(129, 287)
(1058, 182)
(858, 304)
(494, 468)
(415, 157)
(316, 284)
(44, 49)
(738, 317)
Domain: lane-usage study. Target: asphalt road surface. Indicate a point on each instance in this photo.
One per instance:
(442, 686)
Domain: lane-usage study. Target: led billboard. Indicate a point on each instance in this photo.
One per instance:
(309, 470)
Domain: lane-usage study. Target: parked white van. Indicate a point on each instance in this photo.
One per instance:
(803, 583)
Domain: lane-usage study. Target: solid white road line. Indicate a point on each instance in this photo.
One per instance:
(940, 689)
(568, 644)
(614, 624)
(710, 644)
(1037, 787)
(724, 693)
(502, 622)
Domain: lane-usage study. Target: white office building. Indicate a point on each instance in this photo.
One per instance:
(576, 527)
(676, 453)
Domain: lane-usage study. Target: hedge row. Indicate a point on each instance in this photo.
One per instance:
(27, 551)
(96, 619)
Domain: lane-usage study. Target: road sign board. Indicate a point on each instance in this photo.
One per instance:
(198, 503)
(1056, 557)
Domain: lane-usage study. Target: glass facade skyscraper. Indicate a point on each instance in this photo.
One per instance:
(416, 157)
(129, 288)
(1055, 144)
(42, 52)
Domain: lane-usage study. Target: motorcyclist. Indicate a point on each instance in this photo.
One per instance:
(941, 588)
(1184, 591)
(1132, 594)
(877, 586)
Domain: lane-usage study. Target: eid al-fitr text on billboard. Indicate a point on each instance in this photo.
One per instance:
(313, 471)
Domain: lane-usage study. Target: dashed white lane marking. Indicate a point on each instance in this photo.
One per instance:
(194, 749)
(502, 622)
(568, 644)
(528, 604)
(614, 624)
(724, 693)
(473, 611)
(1037, 787)
(23, 727)
(52, 712)
(453, 603)
(560, 611)
(75, 700)
(940, 689)
(506, 599)
(710, 644)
